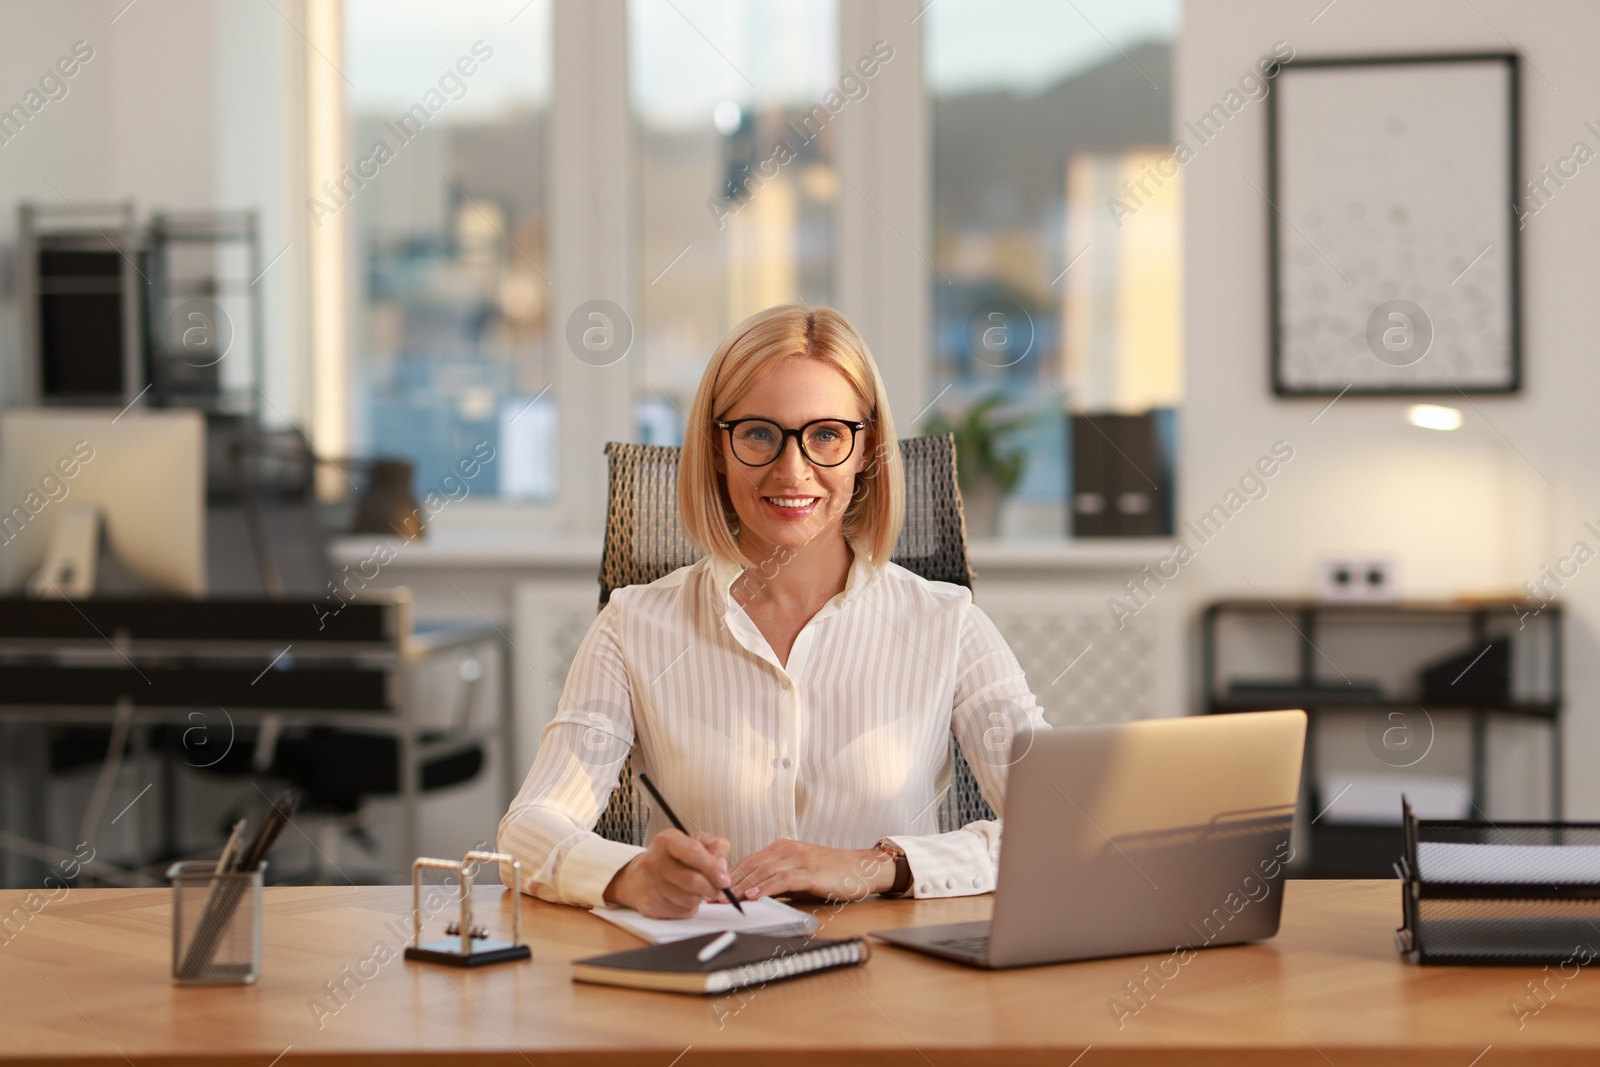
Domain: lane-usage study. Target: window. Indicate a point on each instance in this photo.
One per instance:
(1055, 289)
(736, 181)
(448, 106)
(1052, 290)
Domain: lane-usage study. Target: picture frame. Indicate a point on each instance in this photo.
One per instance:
(1393, 237)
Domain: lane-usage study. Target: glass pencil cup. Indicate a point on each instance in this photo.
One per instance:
(216, 924)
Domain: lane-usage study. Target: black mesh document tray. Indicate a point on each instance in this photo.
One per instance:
(1499, 893)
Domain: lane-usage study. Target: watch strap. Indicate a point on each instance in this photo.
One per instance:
(902, 868)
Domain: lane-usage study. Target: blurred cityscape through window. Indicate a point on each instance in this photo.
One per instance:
(736, 178)
(1038, 136)
(1047, 292)
(448, 106)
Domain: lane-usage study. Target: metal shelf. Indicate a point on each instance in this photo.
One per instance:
(1495, 606)
(1305, 617)
(1529, 709)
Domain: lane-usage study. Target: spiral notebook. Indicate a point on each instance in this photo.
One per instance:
(754, 959)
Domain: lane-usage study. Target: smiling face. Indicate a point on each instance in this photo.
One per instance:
(791, 502)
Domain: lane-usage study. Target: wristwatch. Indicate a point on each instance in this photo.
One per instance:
(902, 868)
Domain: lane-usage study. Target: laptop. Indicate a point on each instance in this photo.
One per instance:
(1136, 837)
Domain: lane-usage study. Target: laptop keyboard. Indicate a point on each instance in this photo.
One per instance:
(971, 946)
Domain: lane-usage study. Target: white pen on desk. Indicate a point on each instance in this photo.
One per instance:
(715, 947)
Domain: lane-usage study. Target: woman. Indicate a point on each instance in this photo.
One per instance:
(794, 692)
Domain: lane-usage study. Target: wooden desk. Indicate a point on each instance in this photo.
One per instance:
(86, 981)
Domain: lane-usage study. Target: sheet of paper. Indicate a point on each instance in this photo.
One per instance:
(1449, 861)
(764, 916)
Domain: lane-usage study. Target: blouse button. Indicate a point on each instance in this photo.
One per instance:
(787, 763)
(975, 882)
(949, 883)
(923, 889)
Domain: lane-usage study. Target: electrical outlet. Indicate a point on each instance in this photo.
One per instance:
(1360, 580)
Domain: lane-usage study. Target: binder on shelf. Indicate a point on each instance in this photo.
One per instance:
(1121, 476)
(1474, 676)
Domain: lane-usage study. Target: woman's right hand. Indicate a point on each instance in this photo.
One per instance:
(670, 878)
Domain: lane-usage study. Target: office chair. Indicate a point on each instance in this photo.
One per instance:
(340, 772)
(645, 540)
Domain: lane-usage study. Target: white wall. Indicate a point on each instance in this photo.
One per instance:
(1479, 509)
(185, 105)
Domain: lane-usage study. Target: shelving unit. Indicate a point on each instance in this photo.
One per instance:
(203, 307)
(1313, 682)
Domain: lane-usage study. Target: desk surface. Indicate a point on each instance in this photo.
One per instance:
(85, 980)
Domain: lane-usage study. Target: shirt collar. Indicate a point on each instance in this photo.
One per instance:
(863, 572)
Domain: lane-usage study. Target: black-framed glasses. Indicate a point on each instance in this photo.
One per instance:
(824, 442)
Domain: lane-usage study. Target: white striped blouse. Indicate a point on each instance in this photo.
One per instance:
(846, 744)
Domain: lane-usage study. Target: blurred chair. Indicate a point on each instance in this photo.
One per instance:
(645, 540)
(341, 772)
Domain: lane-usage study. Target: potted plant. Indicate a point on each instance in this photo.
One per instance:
(988, 465)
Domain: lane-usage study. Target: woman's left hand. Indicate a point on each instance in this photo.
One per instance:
(787, 866)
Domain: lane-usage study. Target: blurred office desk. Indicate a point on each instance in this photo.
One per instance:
(85, 980)
(210, 666)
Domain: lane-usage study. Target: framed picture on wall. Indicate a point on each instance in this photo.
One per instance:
(1393, 232)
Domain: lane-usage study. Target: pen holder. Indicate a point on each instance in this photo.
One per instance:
(216, 924)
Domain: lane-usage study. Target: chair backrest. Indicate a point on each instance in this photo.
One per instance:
(645, 540)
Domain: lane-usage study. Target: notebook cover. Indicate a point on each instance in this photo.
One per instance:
(753, 959)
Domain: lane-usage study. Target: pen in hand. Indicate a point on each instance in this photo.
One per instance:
(672, 817)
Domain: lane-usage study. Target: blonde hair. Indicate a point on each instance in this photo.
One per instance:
(747, 354)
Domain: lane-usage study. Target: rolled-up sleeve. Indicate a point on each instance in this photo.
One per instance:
(994, 717)
(550, 825)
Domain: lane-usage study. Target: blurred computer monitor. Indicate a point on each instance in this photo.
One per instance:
(144, 472)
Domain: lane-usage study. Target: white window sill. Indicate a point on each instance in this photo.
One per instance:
(501, 549)
(1092, 554)
(488, 548)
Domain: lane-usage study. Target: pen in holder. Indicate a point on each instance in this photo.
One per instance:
(216, 924)
(468, 945)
